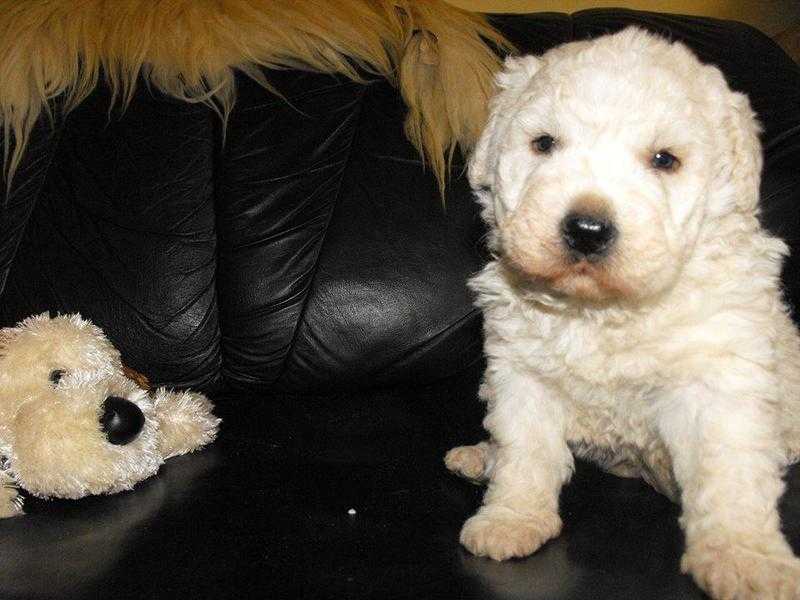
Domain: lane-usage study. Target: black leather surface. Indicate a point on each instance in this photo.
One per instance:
(17, 201)
(123, 231)
(306, 274)
(309, 252)
(338, 267)
(264, 513)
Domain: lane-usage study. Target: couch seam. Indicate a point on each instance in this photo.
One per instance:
(335, 205)
(572, 26)
(58, 134)
(426, 344)
(217, 151)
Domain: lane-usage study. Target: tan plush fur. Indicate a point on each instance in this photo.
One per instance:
(190, 49)
(55, 378)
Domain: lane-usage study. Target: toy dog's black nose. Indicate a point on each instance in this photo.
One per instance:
(588, 236)
(121, 420)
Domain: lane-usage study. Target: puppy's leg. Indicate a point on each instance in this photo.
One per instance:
(788, 369)
(475, 463)
(727, 459)
(520, 510)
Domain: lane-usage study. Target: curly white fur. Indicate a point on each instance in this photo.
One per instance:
(672, 358)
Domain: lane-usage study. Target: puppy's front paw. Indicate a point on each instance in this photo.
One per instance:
(467, 461)
(743, 573)
(501, 534)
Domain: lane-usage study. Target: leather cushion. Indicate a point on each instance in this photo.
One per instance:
(309, 251)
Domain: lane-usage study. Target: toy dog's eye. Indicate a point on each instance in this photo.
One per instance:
(543, 144)
(664, 161)
(56, 375)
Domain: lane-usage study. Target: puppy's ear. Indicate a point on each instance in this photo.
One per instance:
(746, 156)
(517, 72)
(741, 159)
(510, 82)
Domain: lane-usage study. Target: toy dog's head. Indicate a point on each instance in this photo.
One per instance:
(72, 420)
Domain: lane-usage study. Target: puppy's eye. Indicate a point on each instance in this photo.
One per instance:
(56, 375)
(664, 161)
(543, 144)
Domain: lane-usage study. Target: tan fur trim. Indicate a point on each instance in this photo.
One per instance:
(5, 338)
(189, 49)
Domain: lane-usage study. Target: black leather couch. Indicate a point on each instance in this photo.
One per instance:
(306, 275)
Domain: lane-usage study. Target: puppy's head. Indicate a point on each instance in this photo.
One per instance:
(602, 160)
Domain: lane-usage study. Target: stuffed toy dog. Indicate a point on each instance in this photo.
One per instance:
(75, 422)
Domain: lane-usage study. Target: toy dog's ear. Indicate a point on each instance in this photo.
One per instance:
(6, 336)
(185, 422)
(137, 378)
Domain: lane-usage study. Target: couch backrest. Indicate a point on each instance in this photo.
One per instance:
(310, 251)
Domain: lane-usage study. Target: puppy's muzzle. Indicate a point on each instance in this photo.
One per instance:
(121, 420)
(587, 236)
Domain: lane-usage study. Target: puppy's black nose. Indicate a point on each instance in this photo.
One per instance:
(121, 420)
(587, 235)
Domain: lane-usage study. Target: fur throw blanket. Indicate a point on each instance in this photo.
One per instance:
(442, 58)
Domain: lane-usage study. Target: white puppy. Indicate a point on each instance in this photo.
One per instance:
(633, 311)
